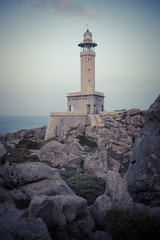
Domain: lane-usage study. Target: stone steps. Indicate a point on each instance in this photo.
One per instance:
(95, 120)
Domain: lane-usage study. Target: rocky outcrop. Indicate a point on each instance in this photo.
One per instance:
(3, 152)
(45, 207)
(116, 194)
(31, 134)
(117, 137)
(119, 134)
(66, 216)
(67, 155)
(100, 163)
(99, 208)
(116, 189)
(26, 180)
(29, 229)
(143, 175)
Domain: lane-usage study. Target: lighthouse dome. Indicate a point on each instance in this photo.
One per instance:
(87, 35)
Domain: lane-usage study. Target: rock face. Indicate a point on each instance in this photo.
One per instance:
(30, 229)
(143, 175)
(119, 134)
(116, 189)
(46, 208)
(115, 141)
(3, 152)
(66, 216)
(100, 163)
(26, 180)
(31, 134)
(116, 194)
(60, 155)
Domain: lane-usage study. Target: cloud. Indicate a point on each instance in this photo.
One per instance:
(65, 8)
(91, 14)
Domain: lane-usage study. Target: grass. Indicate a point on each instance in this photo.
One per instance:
(23, 159)
(28, 144)
(84, 185)
(84, 141)
(73, 128)
(128, 225)
(25, 143)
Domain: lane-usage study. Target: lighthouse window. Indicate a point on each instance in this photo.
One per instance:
(88, 59)
(88, 69)
(89, 80)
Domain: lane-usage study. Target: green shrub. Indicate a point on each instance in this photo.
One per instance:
(87, 186)
(28, 144)
(34, 145)
(86, 142)
(22, 159)
(67, 173)
(128, 225)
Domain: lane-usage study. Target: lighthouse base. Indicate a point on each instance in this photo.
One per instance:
(60, 122)
(90, 103)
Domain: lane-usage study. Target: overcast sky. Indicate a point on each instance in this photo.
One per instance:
(40, 57)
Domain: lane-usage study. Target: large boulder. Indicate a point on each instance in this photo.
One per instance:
(79, 222)
(100, 163)
(116, 189)
(99, 208)
(97, 163)
(28, 179)
(116, 194)
(60, 155)
(72, 206)
(46, 208)
(143, 174)
(33, 229)
(66, 216)
(12, 228)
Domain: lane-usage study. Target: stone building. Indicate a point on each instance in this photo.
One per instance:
(83, 107)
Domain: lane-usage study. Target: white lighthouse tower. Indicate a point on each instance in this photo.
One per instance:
(88, 100)
(87, 63)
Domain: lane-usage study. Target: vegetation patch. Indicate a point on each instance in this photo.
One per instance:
(22, 159)
(73, 128)
(84, 141)
(84, 185)
(28, 144)
(128, 225)
(67, 173)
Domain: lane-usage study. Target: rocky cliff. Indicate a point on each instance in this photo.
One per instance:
(35, 203)
(143, 175)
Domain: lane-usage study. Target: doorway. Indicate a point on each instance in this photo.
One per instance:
(88, 109)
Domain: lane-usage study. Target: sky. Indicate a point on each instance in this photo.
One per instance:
(40, 57)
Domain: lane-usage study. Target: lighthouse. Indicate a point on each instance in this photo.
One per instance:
(88, 100)
(84, 107)
(87, 63)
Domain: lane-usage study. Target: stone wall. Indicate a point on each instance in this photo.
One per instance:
(60, 123)
(130, 121)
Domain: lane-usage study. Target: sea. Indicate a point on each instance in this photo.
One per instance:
(12, 124)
